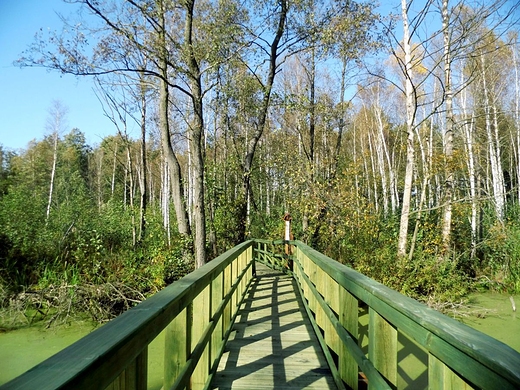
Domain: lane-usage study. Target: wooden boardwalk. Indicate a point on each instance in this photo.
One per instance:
(273, 345)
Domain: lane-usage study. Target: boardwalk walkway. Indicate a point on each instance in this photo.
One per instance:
(273, 345)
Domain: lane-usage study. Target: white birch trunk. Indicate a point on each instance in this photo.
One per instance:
(496, 174)
(517, 118)
(500, 172)
(99, 181)
(410, 152)
(165, 199)
(373, 171)
(388, 194)
(114, 165)
(131, 192)
(53, 174)
(468, 141)
(448, 135)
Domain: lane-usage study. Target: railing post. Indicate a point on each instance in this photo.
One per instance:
(288, 237)
(255, 258)
(177, 345)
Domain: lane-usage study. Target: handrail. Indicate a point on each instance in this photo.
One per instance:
(454, 354)
(267, 253)
(198, 312)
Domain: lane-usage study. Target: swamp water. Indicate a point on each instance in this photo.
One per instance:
(24, 348)
(496, 317)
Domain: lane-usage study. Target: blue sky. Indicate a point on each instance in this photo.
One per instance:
(26, 94)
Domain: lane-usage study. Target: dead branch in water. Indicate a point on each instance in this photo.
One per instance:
(59, 304)
(459, 309)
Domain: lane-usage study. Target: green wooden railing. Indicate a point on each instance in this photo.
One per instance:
(369, 333)
(196, 312)
(373, 334)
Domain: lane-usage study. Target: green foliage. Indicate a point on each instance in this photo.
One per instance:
(227, 217)
(57, 273)
(86, 240)
(500, 253)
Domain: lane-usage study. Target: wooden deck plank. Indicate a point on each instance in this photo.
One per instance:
(273, 345)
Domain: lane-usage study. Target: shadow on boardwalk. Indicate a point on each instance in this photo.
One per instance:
(273, 345)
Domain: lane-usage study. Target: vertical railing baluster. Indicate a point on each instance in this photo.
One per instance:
(217, 294)
(201, 315)
(349, 319)
(135, 375)
(177, 346)
(228, 312)
(331, 295)
(382, 346)
(441, 377)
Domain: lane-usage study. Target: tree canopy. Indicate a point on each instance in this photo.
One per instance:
(395, 147)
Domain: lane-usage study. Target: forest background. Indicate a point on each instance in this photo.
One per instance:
(393, 140)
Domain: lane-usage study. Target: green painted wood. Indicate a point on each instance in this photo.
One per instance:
(272, 345)
(109, 356)
(200, 346)
(228, 314)
(217, 337)
(318, 279)
(177, 346)
(332, 294)
(441, 377)
(382, 346)
(412, 363)
(227, 331)
(348, 319)
(98, 359)
(331, 337)
(435, 373)
(354, 350)
(201, 321)
(134, 377)
(476, 357)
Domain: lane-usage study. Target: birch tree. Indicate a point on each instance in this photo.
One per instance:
(450, 124)
(55, 125)
(516, 65)
(410, 123)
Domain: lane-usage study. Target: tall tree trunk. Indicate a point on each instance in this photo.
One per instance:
(493, 142)
(410, 152)
(448, 136)
(341, 121)
(383, 156)
(425, 161)
(114, 166)
(500, 172)
(165, 199)
(53, 174)
(196, 131)
(142, 181)
(373, 164)
(183, 225)
(514, 49)
(312, 113)
(266, 99)
(131, 189)
(99, 181)
(468, 127)
(378, 112)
